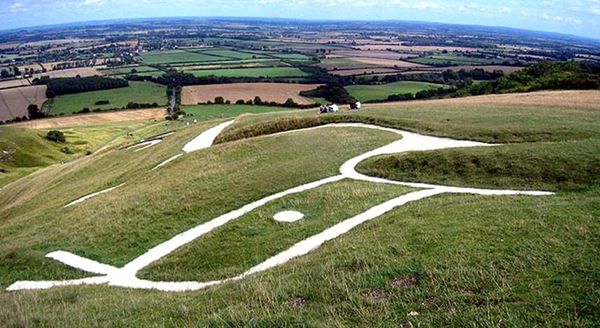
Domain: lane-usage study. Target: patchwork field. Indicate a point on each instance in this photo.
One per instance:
(268, 72)
(412, 48)
(450, 60)
(137, 92)
(278, 92)
(176, 56)
(14, 102)
(367, 93)
(448, 260)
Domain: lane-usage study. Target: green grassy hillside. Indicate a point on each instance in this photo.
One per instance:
(31, 151)
(450, 260)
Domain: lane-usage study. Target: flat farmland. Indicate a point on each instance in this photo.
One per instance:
(278, 92)
(487, 68)
(177, 56)
(137, 92)
(452, 60)
(95, 118)
(270, 72)
(398, 47)
(71, 72)
(388, 62)
(14, 83)
(384, 54)
(230, 54)
(341, 63)
(365, 71)
(14, 102)
(381, 92)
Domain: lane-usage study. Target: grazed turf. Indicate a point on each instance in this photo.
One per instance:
(451, 260)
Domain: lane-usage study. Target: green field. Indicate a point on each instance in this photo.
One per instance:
(270, 72)
(453, 260)
(140, 92)
(292, 56)
(207, 112)
(367, 93)
(231, 54)
(128, 70)
(453, 60)
(177, 56)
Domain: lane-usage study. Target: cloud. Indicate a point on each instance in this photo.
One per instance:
(17, 6)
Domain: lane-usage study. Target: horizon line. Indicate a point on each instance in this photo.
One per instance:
(3, 31)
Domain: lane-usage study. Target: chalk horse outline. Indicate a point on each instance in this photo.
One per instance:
(126, 276)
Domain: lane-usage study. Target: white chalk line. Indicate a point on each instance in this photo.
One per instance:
(202, 141)
(126, 276)
(144, 145)
(84, 198)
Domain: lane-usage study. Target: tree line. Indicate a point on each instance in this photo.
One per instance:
(541, 76)
(70, 85)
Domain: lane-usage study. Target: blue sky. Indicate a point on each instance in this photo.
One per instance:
(578, 17)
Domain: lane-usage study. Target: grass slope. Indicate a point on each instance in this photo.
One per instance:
(455, 260)
(140, 92)
(567, 165)
(33, 151)
(543, 116)
(207, 112)
(381, 92)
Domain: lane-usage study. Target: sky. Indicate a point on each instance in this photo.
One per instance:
(576, 17)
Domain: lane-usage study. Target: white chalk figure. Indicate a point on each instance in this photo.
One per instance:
(203, 141)
(126, 276)
(145, 144)
(288, 216)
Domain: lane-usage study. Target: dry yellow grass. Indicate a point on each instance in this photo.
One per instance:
(71, 72)
(278, 92)
(78, 120)
(14, 102)
(588, 99)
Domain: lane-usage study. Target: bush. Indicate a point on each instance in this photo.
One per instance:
(56, 136)
(34, 112)
(102, 102)
(240, 102)
(219, 100)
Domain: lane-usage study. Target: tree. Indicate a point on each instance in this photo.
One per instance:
(219, 100)
(290, 103)
(56, 136)
(34, 112)
(257, 100)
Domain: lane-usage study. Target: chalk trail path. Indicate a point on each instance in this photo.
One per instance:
(126, 276)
